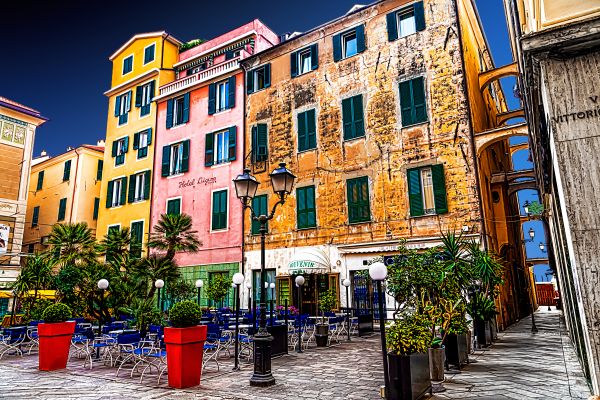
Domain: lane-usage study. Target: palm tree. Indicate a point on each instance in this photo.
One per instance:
(173, 234)
(149, 269)
(71, 244)
(35, 275)
(116, 247)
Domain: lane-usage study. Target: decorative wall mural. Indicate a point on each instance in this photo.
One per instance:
(19, 135)
(8, 131)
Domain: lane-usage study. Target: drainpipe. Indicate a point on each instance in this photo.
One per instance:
(74, 186)
(470, 123)
(243, 263)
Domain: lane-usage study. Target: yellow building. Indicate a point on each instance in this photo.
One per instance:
(62, 189)
(140, 66)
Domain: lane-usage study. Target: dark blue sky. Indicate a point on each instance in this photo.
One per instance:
(55, 53)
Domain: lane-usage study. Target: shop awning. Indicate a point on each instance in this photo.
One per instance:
(309, 261)
(6, 294)
(43, 294)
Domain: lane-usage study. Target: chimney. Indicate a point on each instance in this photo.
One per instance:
(69, 148)
(100, 143)
(43, 153)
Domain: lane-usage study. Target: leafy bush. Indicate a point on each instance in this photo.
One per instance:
(58, 312)
(36, 310)
(327, 301)
(218, 288)
(185, 314)
(411, 334)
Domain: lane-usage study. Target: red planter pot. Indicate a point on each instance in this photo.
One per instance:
(55, 341)
(185, 347)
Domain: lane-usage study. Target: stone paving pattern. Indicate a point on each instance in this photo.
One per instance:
(518, 366)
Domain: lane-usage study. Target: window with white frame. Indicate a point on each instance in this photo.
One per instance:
(122, 107)
(147, 95)
(116, 192)
(406, 22)
(143, 143)
(221, 147)
(427, 191)
(305, 61)
(140, 184)
(127, 64)
(149, 53)
(178, 111)
(349, 44)
(175, 165)
(121, 150)
(222, 101)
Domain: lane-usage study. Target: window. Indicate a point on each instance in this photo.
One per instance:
(67, 171)
(112, 229)
(141, 141)
(427, 190)
(259, 143)
(305, 207)
(412, 101)
(305, 60)
(307, 131)
(230, 54)
(115, 195)
(349, 43)
(40, 181)
(258, 78)
(270, 276)
(221, 95)
(36, 216)
(122, 107)
(260, 205)
(62, 209)
(176, 158)
(149, 53)
(220, 147)
(178, 110)
(358, 200)
(219, 210)
(96, 208)
(99, 170)
(406, 21)
(143, 97)
(127, 64)
(139, 187)
(137, 236)
(174, 206)
(353, 118)
(119, 148)
(30, 250)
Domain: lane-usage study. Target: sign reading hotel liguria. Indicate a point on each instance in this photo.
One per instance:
(581, 114)
(191, 183)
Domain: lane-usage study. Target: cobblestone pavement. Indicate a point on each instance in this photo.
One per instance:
(518, 366)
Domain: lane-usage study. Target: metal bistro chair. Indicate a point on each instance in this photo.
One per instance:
(11, 340)
(246, 346)
(100, 344)
(308, 335)
(131, 348)
(155, 358)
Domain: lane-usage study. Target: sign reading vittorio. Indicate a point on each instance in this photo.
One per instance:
(584, 114)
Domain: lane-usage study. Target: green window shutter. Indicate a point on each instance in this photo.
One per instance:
(302, 133)
(149, 133)
(113, 152)
(415, 196)
(62, 209)
(186, 108)
(117, 105)
(337, 47)
(137, 236)
(294, 64)
(209, 150)
(185, 159)
(123, 191)
(212, 98)
(231, 93)
(99, 170)
(128, 95)
(358, 116)
(419, 100)
(147, 182)
(166, 160)
(219, 210)
(40, 181)
(131, 194)
(232, 142)
(392, 26)
(174, 207)
(125, 144)
(36, 216)
(305, 207)
(267, 75)
(170, 106)
(136, 140)
(259, 205)
(439, 188)
(109, 193)
(347, 119)
(250, 82)
(314, 56)
(138, 96)
(360, 38)
(419, 16)
(359, 209)
(406, 103)
(67, 171)
(254, 149)
(262, 148)
(311, 128)
(96, 208)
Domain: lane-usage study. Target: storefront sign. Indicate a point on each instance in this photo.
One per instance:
(580, 114)
(192, 183)
(4, 232)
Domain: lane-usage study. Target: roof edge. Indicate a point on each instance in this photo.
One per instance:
(137, 36)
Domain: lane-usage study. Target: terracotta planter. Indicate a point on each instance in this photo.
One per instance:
(55, 341)
(185, 347)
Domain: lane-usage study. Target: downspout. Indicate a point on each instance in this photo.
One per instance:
(470, 123)
(74, 187)
(243, 263)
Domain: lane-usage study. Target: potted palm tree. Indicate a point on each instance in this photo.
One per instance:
(185, 345)
(55, 337)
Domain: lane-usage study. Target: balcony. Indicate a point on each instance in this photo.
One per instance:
(202, 76)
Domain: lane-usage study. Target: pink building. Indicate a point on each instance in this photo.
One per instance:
(200, 148)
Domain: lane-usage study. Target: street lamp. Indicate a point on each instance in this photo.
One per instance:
(378, 272)
(299, 282)
(531, 234)
(199, 284)
(159, 284)
(102, 285)
(272, 287)
(542, 247)
(526, 205)
(238, 279)
(249, 287)
(282, 181)
(346, 284)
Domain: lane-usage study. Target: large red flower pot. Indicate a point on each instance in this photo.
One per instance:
(55, 341)
(185, 347)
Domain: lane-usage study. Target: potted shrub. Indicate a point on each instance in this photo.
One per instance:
(185, 345)
(327, 301)
(408, 340)
(456, 342)
(55, 337)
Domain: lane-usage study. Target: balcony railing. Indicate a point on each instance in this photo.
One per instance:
(202, 76)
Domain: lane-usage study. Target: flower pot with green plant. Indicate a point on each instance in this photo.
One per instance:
(55, 337)
(185, 344)
(327, 301)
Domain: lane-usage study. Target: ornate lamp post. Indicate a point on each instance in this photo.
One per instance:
(346, 284)
(272, 287)
(249, 287)
(199, 284)
(299, 282)
(238, 279)
(159, 284)
(378, 272)
(282, 181)
(102, 285)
